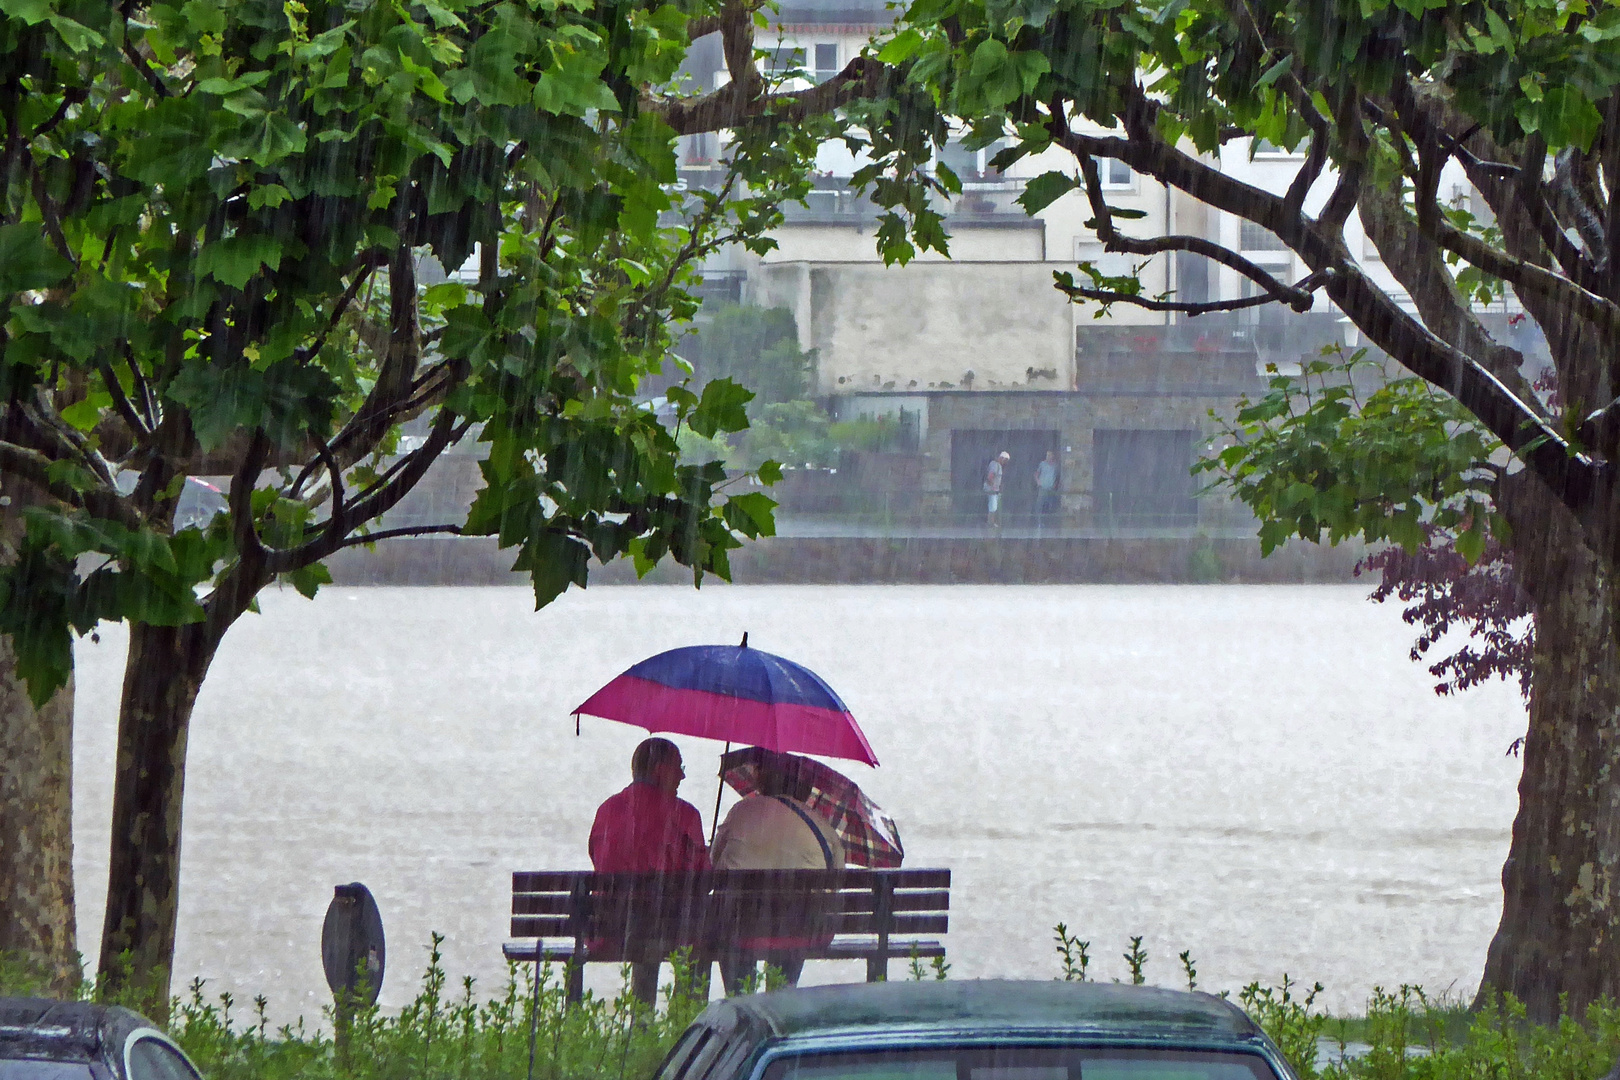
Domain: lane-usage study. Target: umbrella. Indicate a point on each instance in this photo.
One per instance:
(732, 693)
(870, 836)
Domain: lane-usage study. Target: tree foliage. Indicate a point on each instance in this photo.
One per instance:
(1381, 98)
(212, 222)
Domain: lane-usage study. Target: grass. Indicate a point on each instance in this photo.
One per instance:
(529, 1032)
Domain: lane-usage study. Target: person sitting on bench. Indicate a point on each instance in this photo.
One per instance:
(646, 829)
(774, 830)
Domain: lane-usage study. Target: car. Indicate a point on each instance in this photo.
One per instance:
(974, 1030)
(41, 1039)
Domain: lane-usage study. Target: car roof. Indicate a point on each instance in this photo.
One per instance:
(41, 1027)
(991, 1005)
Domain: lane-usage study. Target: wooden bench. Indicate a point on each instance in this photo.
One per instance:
(579, 917)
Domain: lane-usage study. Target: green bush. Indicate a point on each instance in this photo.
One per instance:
(458, 1036)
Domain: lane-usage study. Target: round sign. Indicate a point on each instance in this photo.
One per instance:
(352, 944)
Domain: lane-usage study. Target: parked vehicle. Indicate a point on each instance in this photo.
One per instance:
(974, 1030)
(76, 1040)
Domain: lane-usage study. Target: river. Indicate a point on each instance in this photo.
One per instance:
(1257, 774)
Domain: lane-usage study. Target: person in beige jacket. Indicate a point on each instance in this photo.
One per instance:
(773, 830)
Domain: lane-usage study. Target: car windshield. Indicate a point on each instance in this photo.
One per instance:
(43, 1069)
(1023, 1063)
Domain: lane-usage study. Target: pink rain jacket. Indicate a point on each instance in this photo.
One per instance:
(643, 830)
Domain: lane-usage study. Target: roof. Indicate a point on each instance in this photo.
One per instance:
(993, 1005)
(40, 1027)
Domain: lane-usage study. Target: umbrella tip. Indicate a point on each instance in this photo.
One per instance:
(744, 644)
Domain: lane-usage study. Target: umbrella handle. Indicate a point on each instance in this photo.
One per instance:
(714, 822)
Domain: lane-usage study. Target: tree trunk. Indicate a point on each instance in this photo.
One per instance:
(36, 832)
(165, 669)
(38, 924)
(1560, 930)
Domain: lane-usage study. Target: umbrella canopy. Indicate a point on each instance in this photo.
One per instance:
(734, 694)
(870, 836)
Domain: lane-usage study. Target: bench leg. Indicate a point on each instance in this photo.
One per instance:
(576, 982)
(877, 968)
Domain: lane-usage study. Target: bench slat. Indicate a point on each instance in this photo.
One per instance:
(716, 925)
(863, 900)
(861, 923)
(849, 900)
(840, 949)
(563, 881)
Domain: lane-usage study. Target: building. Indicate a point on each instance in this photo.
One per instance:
(979, 353)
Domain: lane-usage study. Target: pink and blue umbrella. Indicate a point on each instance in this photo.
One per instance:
(734, 694)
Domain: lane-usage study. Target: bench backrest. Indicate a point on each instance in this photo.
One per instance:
(646, 916)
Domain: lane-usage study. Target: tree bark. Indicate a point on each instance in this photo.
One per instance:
(36, 831)
(38, 924)
(1560, 929)
(164, 670)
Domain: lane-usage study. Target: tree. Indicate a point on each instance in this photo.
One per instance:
(212, 221)
(1520, 96)
(755, 346)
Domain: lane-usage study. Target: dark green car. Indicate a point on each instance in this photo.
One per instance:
(974, 1030)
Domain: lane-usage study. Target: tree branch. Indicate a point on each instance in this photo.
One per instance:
(1191, 308)
(378, 501)
(391, 534)
(735, 104)
(248, 545)
(138, 429)
(1419, 266)
(35, 467)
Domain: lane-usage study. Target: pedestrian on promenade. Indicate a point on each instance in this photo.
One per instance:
(774, 829)
(646, 829)
(992, 489)
(1046, 497)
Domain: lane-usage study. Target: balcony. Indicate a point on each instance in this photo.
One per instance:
(987, 202)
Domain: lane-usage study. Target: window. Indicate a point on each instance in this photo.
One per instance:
(783, 61)
(1252, 237)
(39, 1069)
(1115, 173)
(1022, 1063)
(1111, 263)
(1265, 148)
(826, 61)
(681, 1055)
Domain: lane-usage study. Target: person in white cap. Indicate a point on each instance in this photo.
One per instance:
(992, 488)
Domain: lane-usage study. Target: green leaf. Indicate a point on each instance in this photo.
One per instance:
(1567, 118)
(1275, 72)
(1045, 189)
(751, 514)
(900, 48)
(27, 260)
(308, 579)
(723, 407)
(553, 561)
(236, 259)
(31, 12)
(1470, 545)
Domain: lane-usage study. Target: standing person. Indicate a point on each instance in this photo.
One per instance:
(646, 829)
(992, 488)
(774, 829)
(1046, 475)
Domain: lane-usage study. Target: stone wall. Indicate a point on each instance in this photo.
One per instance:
(868, 560)
(925, 325)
